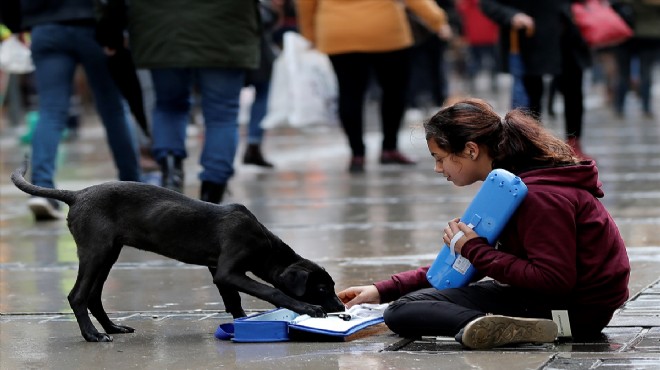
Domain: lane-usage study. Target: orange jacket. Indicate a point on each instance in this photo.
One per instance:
(345, 26)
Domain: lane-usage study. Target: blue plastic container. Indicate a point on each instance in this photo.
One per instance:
(276, 325)
(488, 213)
(271, 326)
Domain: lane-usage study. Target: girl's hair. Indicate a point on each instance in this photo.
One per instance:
(515, 143)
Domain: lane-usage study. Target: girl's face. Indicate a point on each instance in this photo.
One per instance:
(463, 168)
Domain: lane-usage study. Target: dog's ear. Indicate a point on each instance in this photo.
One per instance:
(295, 280)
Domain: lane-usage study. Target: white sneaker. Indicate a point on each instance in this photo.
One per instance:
(495, 330)
(45, 209)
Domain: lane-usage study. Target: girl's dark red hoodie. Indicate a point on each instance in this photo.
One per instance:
(561, 242)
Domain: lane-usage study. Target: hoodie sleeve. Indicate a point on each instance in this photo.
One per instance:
(402, 283)
(538, 248)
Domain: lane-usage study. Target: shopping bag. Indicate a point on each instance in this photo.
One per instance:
(599, 24)
(279, 104)
(303, 87)
(15, 56)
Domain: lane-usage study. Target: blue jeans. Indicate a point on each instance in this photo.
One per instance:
(56, 51)
(220, 90)
(258, 112)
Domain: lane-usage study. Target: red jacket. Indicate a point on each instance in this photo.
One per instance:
(478, 29)
(561, 242)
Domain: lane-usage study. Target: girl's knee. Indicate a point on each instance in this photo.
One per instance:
(394, 317)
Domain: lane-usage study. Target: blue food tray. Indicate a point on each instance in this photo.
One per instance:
(490, 210)
(270, 326)
(274, 326)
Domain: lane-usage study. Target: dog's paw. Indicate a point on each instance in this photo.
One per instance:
(315, 311)
(98, 337)
(119, 329)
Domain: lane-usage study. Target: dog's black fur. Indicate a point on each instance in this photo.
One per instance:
(228, 239)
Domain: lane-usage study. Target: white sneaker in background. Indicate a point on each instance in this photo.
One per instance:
(45, 209)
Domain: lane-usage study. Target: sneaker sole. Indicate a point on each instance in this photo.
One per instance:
(43, 210)
(494, 331)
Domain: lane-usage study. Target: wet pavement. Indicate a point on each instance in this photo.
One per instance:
(361, 228)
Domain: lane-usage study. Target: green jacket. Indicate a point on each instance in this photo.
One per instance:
(197, 33)
(645, 17)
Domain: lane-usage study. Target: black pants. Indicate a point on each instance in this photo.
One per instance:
(569, 83)
(353, 70)
(444, 312)
(432, 312)
(428, 85)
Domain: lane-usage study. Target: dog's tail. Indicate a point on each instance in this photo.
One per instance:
(18, 178)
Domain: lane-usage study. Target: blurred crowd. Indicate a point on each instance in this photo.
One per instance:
(151, 73)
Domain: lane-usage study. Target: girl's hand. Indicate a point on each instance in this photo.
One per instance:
(453, 228)
(358, 295)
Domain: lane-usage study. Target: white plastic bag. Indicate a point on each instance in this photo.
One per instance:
(15, 56)
(303, 87)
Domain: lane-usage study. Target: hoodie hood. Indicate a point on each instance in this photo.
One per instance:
(582, 176)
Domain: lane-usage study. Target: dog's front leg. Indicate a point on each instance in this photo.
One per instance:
(240, 282)
(230, 297)
(232, 301)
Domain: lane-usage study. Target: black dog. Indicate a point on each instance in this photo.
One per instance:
(228, 239)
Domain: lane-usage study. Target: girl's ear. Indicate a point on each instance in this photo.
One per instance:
(471, 150)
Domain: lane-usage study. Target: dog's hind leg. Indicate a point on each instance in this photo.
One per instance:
(92, 257)
(95, 304)
(230, 297)
(78, 300)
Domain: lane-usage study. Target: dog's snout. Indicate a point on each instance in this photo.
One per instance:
(336, 305)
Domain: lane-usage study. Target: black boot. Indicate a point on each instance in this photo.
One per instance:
(253, 156)
(212, 192)
(172, 172)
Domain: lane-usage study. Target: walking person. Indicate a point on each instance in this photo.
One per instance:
(63, 37)
(549, 43)
(481, 36)
(645, 46)
(561, 250)
(259, 79)
(364, 36)
(428, 86)
(206, 44)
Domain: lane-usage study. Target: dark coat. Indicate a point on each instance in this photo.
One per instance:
(556, 35)
(22, 15)
(195, 34)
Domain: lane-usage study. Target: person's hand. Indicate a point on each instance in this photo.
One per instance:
(523, 21)
(358, 295)
(445, 32)
(453, 227)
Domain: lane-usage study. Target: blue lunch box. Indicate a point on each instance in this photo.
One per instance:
(488, 213)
